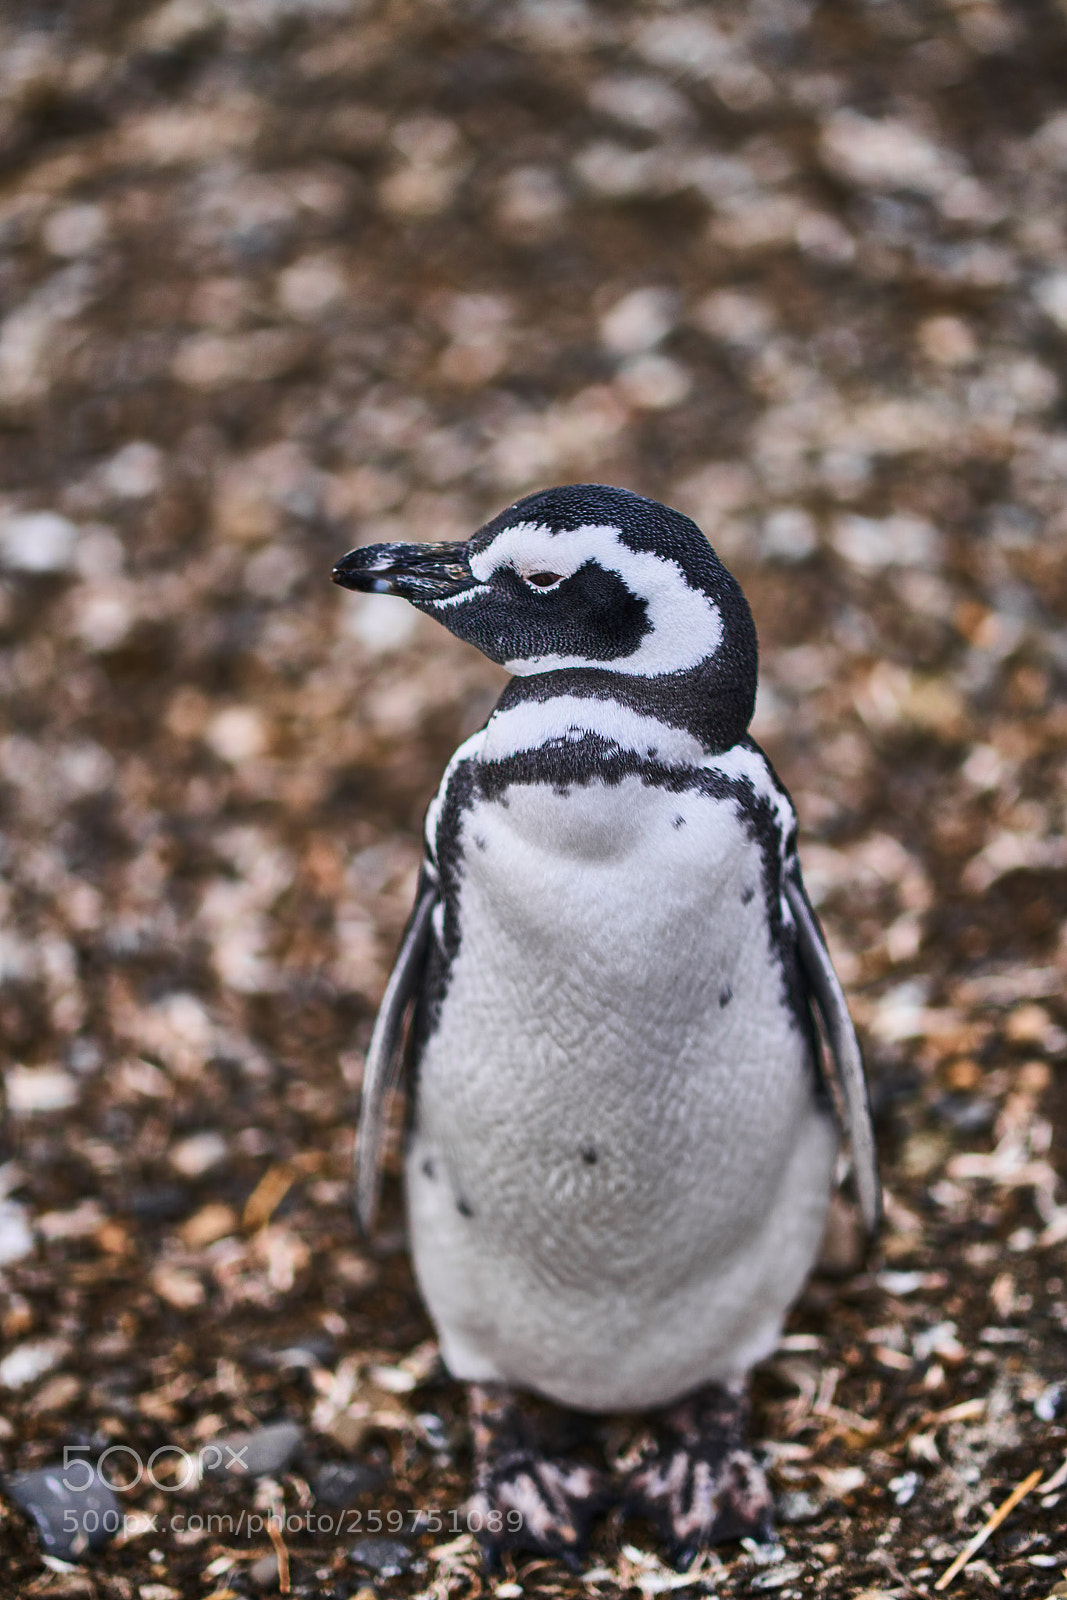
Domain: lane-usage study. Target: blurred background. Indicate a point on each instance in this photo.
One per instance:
(278, 277)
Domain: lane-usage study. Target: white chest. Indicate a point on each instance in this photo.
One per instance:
(615, 1112)
(615, 1025)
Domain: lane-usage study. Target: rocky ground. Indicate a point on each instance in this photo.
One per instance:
(281, 276)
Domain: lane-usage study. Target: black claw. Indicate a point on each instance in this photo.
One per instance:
(681, 1557)
(492, 1554)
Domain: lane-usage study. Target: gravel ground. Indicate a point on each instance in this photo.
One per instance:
(281, 276)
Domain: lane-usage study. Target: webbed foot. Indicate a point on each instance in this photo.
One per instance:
(525, 1497)
(699, 1484)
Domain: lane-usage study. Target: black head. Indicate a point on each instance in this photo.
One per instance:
(588, 589)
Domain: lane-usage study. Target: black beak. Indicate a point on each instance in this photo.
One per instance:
(421, 573)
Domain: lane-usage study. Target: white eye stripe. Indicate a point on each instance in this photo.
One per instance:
(685, 624)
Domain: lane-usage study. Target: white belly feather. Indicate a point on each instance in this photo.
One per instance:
(618, 1172)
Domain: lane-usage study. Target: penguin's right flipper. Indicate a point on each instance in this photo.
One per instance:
(385, 1054)
(846, 1061)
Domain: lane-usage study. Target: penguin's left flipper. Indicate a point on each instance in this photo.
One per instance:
(699, 1483)
(385, 1053)
(526, 1497)
(846, 1063)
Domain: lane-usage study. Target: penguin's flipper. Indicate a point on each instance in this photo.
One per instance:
(385, 1055)
(846, 1061)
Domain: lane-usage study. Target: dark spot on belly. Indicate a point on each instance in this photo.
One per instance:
(464, 1208)
(428, 1169)
(746, 895)
(479, 842)
(562, 790)
(589, 1156)
(679, 822)
(726, 994)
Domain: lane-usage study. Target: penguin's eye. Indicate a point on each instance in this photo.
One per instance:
(542, 580)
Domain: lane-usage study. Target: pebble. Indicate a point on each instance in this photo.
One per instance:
(163, 1202)
(872, 543)
(134, 471)
(966, 1113)
(263, 1574)
(74, 230)
(237, 734)
(197, 1154)
(1051, 1403)
(37, 541)
(28, 1362)
(340, 1482)
(34, 1089)
(654, 382)
(260, 1453)
(797, 1506)
(386, 1557)
(16, 1235)
(639, 321)
(70, 1520)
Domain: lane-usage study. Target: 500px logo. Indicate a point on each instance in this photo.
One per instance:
(122, 1468)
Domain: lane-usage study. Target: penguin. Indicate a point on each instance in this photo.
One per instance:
(623, 1130)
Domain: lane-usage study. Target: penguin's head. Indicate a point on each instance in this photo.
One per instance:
(584, 579)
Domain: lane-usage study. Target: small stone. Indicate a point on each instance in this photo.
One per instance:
(964, 1112)
(1051, 1403)
(388, 1558)
(264, 1452)
(1052, 298)
(263, 1574)
(903, 1488)
(80, 1222)
(163, 1202)
(654, 382)
(532, 200)
(649, 103)
(74, 230)
(28, 1362)
(197, 1154)
(16, 1235)
(310, 286)
(639, 321)
(789, 534)
(237, 734)
(37, 541)
(35, 1089)
(74, 1509)
(797, 1506)
(947, 340)
(178, 1288)
(872, 543)
(135, 471)
(338, 1483)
